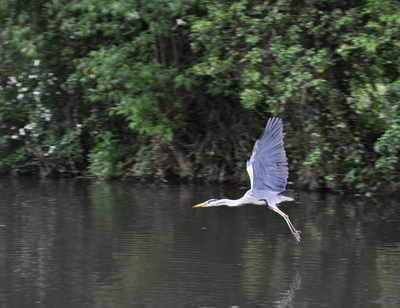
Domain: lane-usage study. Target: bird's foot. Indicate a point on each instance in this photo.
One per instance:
(296, 235)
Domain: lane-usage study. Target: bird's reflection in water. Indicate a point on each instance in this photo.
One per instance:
(288, 296)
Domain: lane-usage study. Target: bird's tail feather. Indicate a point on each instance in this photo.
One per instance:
(289, 195)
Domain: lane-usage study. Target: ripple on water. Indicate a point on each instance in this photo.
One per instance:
(115, 245)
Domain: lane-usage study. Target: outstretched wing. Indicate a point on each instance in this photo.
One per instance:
(268, 167)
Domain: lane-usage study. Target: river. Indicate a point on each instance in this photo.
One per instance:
(87, 243)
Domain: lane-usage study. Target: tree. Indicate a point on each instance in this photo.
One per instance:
(283, 59)
(184, 88)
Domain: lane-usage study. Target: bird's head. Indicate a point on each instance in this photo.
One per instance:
(211, 202)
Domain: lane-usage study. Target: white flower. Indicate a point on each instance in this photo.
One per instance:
(180, 22)
(72, 36)
(36, 135)
(78, 125)
(50, 74)
(18, 84)
(22, 132)
(13, 79)
(13, 127)
(20, 96)
(32, 76)
(47, 118)
(52, 148)
(55, 78)
(24, 89)
(36, 62)
(134, 15)
(30, 126)
(58, 93)
(36, 92)
(14, 137)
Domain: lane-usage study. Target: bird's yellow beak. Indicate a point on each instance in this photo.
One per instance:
(200, 205)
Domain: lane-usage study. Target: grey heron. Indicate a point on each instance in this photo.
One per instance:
(268, 172)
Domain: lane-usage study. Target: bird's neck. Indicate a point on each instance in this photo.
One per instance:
(237, 202)
(229, 202)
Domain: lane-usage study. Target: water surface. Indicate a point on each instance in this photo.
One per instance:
(109, 244)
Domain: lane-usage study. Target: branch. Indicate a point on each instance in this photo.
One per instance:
(174, 50)
(162, 52)
(38, 154)
(156, 51)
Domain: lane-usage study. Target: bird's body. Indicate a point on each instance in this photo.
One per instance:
(268, 172)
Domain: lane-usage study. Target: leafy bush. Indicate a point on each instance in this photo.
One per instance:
(166, 88)
(282, 59)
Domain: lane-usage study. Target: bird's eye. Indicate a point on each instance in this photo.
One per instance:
(212, 200)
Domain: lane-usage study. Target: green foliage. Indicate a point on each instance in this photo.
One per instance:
(44, 119)
(137, 62)
(143, 68)
(282, 58)
(184, 88)
(388, 145)
(109, 157)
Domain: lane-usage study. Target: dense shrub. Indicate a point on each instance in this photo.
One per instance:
(184, 88)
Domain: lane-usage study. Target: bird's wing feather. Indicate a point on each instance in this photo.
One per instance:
(249, 169)
(268, 167)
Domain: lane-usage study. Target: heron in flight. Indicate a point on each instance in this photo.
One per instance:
(268, 172)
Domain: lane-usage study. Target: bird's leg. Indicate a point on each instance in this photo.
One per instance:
(295, 233)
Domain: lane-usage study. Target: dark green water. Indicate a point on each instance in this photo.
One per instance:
(109, 244)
